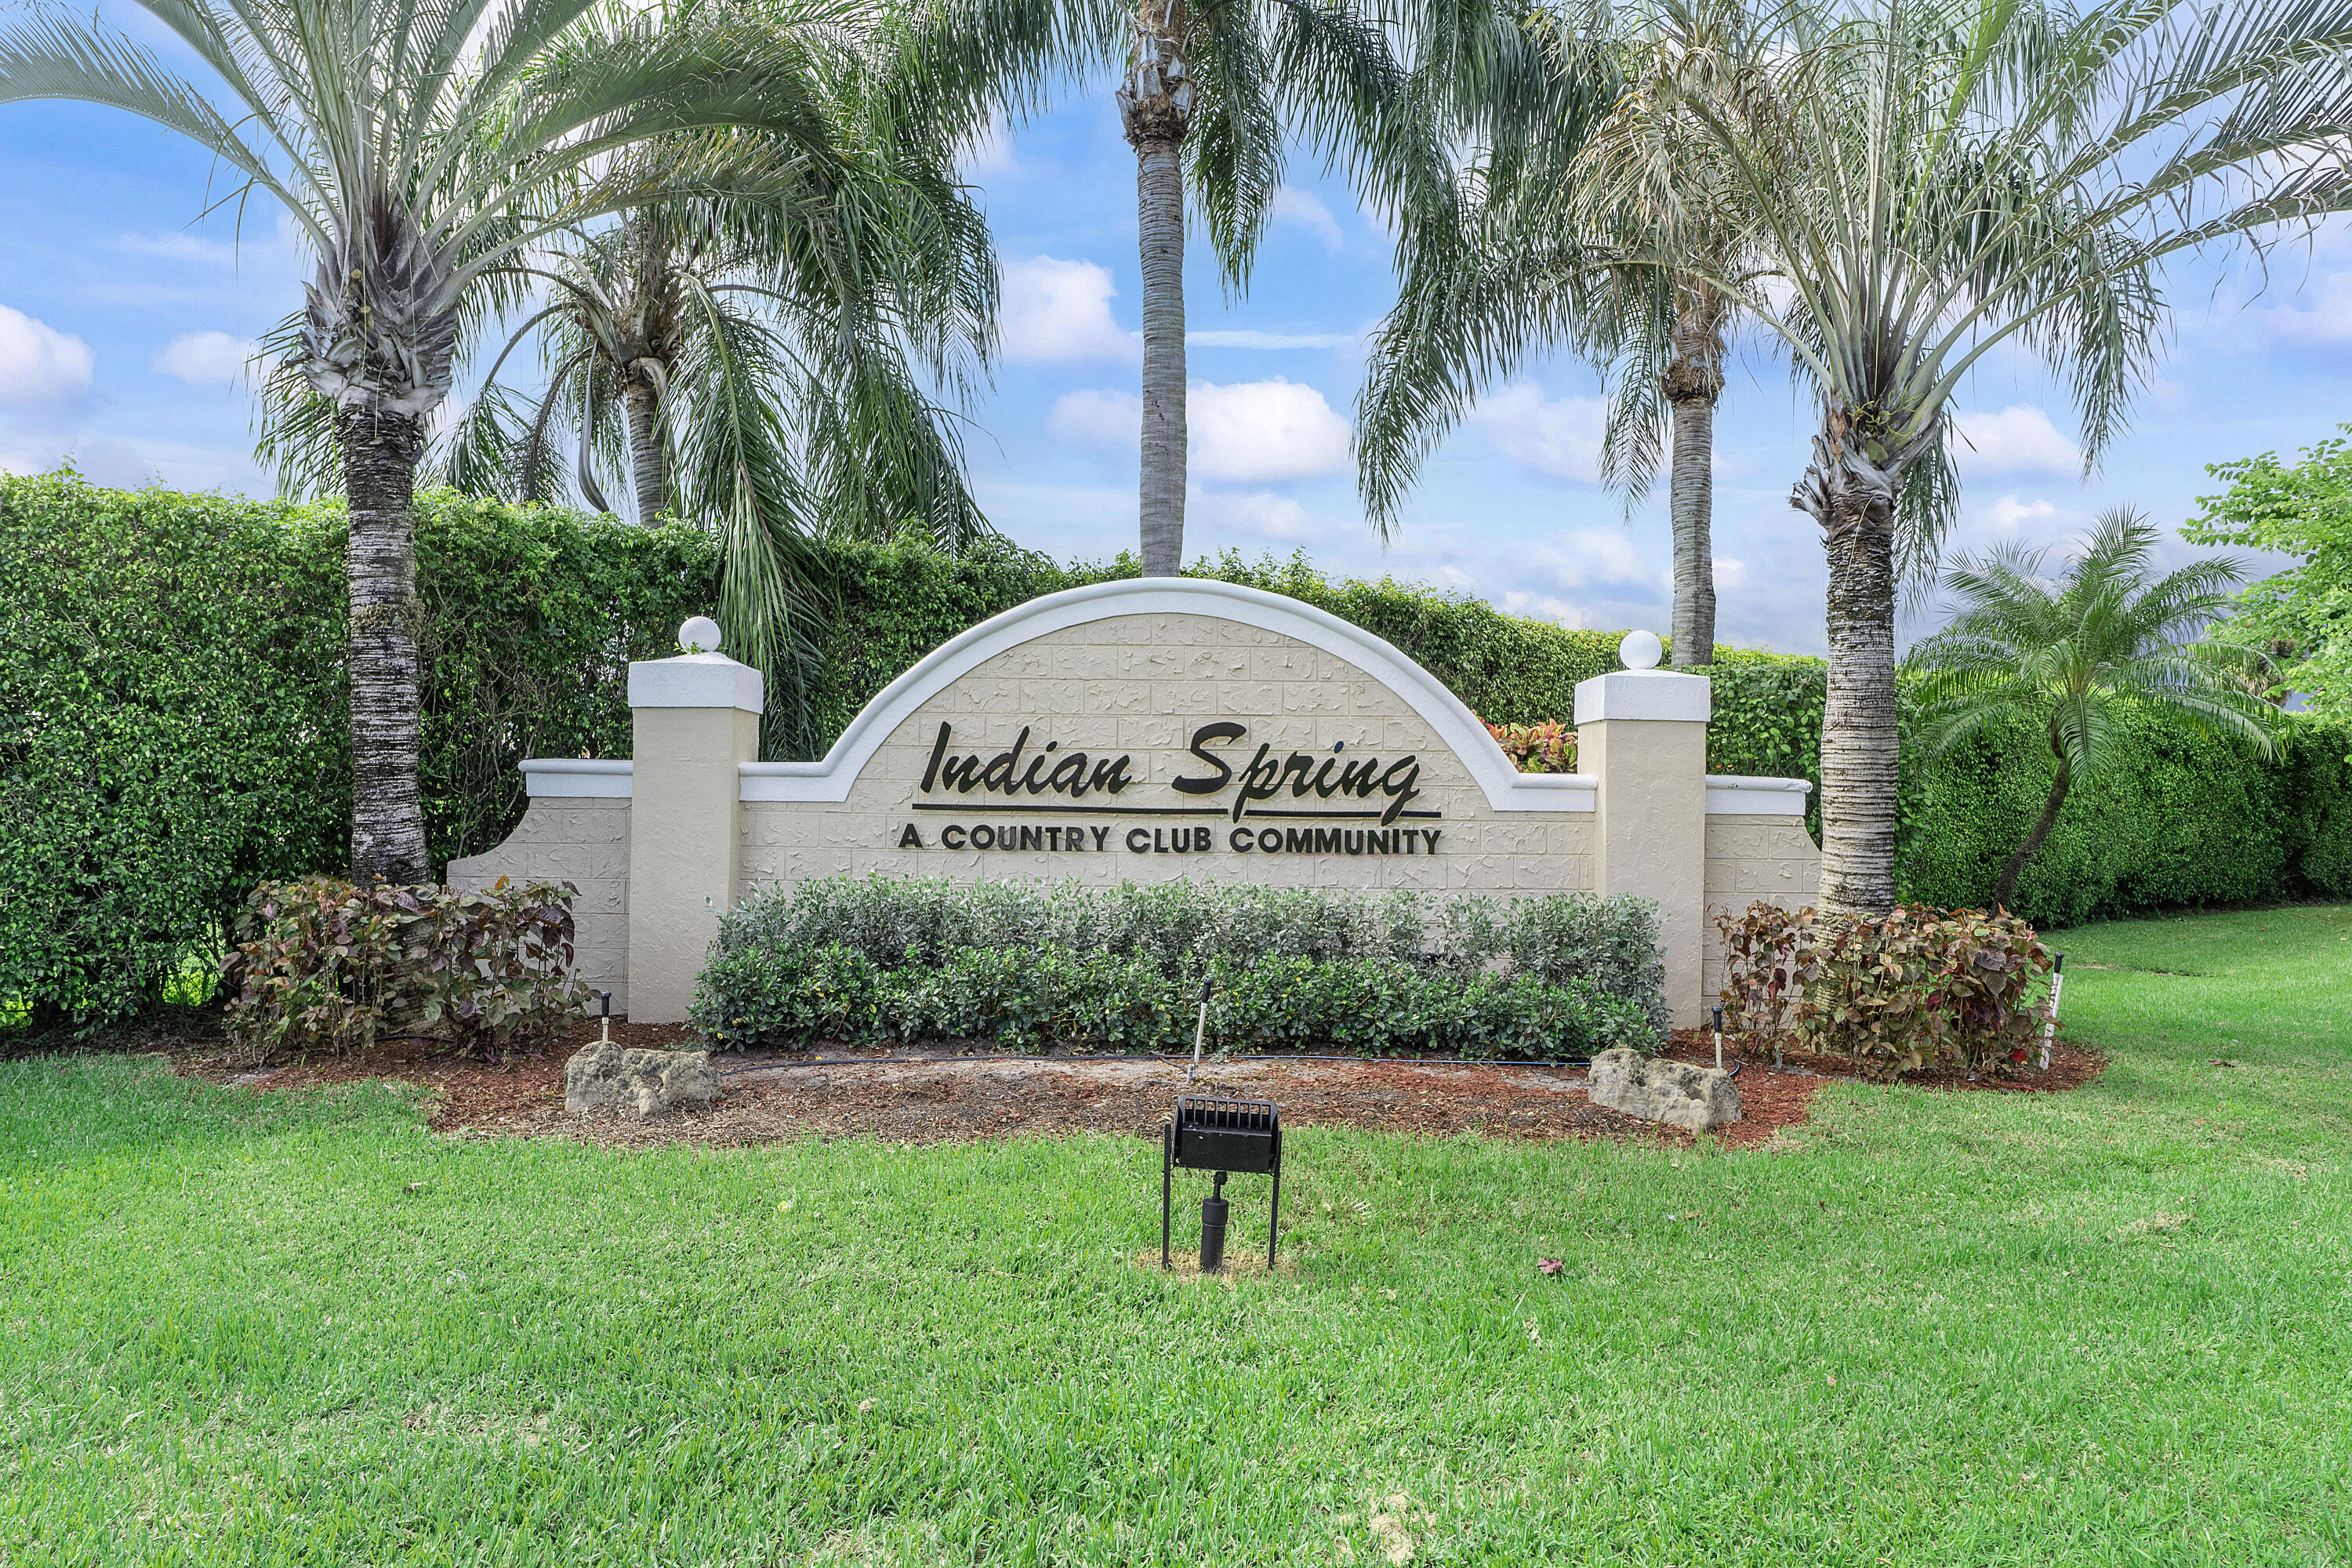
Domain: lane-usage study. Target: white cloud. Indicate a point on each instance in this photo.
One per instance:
(37, 363)
(992, 150)
(2020, 439)
(1243, 338)
(1251, 432)
(2010, 514)
(1730, 575)
(1306, 209)
(1258, 430)
(1261, 512)
(179, 247)
(1055, 309)
(206, 359)
(1545, 606)
(1560, 439)
(1098, 417)
(1591, 557)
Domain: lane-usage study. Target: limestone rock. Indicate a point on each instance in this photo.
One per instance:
(1673, 1092)
(603, 1074)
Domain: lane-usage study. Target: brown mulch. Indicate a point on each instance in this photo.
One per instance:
(960, 1097)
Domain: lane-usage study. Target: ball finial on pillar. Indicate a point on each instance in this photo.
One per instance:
(1640, 650)
(701, 635)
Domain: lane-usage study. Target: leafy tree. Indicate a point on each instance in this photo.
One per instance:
(2304, 614)
(2074, 650)
(420, 148)
(1932, 179)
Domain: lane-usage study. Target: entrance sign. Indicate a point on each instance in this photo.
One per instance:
(1140, 731)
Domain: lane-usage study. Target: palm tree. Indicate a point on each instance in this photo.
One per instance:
(1932, 179)
(753, 368)
(2074, 652)
(419, 148)
(1209, 96)
(1517, 259)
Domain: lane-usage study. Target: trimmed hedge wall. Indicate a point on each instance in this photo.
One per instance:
(172, 724)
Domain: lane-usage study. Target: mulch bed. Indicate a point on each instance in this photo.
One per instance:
(965, 1096)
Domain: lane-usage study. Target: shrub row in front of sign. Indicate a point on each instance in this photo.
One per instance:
(880, 960)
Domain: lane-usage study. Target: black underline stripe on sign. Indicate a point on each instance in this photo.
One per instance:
(1350, 815)
(972, 808)
(982, 808)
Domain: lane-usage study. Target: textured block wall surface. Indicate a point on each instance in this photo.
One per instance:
(584, 842)
(1140, 687)
(1754, 859)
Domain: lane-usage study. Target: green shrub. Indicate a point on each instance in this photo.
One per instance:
(1923, 989)
(876, 958)
(321, 965)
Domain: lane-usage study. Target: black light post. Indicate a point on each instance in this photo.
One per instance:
(1223, 1136)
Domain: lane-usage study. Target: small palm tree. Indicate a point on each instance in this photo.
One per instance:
(1933, 179)
(420, 148)
(2075, 651)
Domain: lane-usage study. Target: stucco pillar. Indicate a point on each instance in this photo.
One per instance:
(696, 719)
(1642, 733)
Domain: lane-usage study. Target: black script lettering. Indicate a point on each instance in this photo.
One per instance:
(952, 837)
(1398, 784)
(1323, 782)
(1100, 833)
(909, 838)
(939, 750)
(1074, 766)
(1361, 778)
(1139, 840)
(1009, 762)
(1303, 765)
(1223, 730)
(961, 775)
(1259, 780)
(1111, 777)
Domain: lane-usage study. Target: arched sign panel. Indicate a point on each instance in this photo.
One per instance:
(1137, 730)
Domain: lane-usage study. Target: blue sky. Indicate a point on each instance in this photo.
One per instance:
(124, 317)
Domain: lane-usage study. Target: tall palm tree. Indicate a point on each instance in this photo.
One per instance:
(1518, 257)
(1211, 96)
(1932, 179)
(2074, 652)
(419, 148)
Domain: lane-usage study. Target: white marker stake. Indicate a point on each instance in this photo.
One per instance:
(1200, 1032)
(2050, 1024)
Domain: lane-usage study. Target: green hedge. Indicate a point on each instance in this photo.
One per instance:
(172, 727)
(872, 960)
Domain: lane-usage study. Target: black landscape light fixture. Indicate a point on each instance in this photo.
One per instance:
(605, 1035)
(1212, 1134)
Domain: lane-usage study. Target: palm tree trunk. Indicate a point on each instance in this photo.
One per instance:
(648, 462)
(380, 452)
(1155, 108)
(1693, 382)
(1853, 500)
(2012, 867)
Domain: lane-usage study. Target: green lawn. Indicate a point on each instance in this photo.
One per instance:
(1968, 1328)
